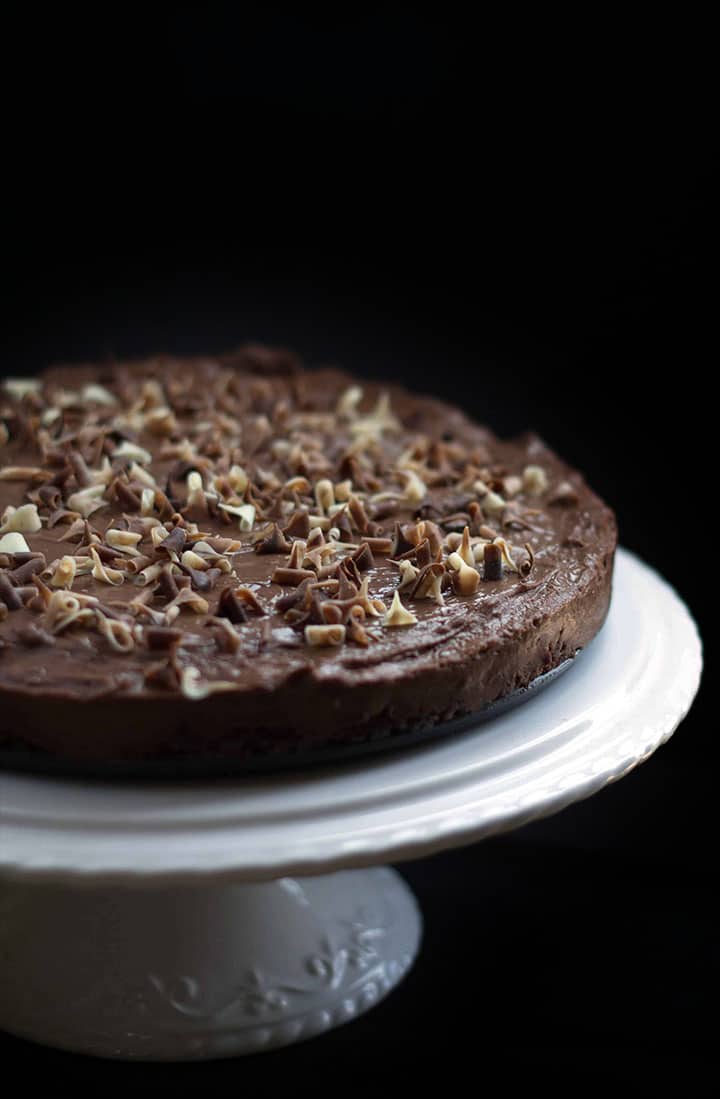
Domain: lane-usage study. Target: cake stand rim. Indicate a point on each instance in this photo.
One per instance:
(400, 842)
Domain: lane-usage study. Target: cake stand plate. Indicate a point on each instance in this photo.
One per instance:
(216, 917)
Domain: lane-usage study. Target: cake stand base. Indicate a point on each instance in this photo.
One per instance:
(211, 970)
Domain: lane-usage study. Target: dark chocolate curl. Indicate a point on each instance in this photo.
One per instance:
(250, 600)
(162, 637)
(174, 543)
(129, 500)
(400, 544)
(291, 577)
(9, 595)
(272, 540)
(492, 562)
(363, 558)
(229, 606)
(25, 572)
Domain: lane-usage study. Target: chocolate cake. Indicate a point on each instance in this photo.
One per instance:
(237, 557)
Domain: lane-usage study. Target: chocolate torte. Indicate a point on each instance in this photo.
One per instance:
(236, 557)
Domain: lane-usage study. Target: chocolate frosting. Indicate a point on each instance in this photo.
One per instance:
(238, 529)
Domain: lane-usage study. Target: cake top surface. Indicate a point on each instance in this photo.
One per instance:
(193, 526)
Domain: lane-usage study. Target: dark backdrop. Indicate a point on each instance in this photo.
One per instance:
(516, 218)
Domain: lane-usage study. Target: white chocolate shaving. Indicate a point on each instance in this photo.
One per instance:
(512, 485)
(104, 475)
(398, 615)
(194, 687)
(371, 427)
(465, 549)
(301, 485)
(158, 534)
(343, 489)
(192, 560)
(325, 635)
(63, 609)
(152, 395)
(244, 512)
(506, 552)
(467, 579)
(238, 479)
(117, 634)
(124, 541)
(24, 473)
(21, 387)
(195, 492)
(13, 543)
(535, 480)
(135, 453)
(348, 402)
(147, 501)
(408, 574)
(87, 500)
(186, 597)
(64, 573)
(324, 495)
(161, 421)
(137, 473)
(102, 573)
(24, 519)
(147, 575)
(97, 394)
(493, 503)
(415, 488)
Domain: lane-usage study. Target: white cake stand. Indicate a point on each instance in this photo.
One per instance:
(222, 917)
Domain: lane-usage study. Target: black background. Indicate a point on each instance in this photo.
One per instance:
(517, 218)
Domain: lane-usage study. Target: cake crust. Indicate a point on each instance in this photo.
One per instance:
(343, 560)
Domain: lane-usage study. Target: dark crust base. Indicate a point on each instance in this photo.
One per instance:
(259, 759)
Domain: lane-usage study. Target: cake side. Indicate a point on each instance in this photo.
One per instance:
(264, 556)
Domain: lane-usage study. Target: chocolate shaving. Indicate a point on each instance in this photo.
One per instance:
(230, 607)
(363, 558)
(380, 545)
(199, 579)
(291, 577)
(166, 582)
(341, 520)
(226, 637)
(358, 513)
(331, 613)
(162, 637)
(401, 544)
(424, 554)
(346, 588)
(33, 636)
(525, 566)
(492, 562)
(352, 573)
(272, 540)
(456, 523)
(50, 495)
(250, 601)
(124, 494)
(174, 543)
(25, 572)
(166, 675)
(79, 468)
(564, 495)
(9, 595)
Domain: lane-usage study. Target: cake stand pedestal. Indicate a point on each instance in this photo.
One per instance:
(213, 918)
